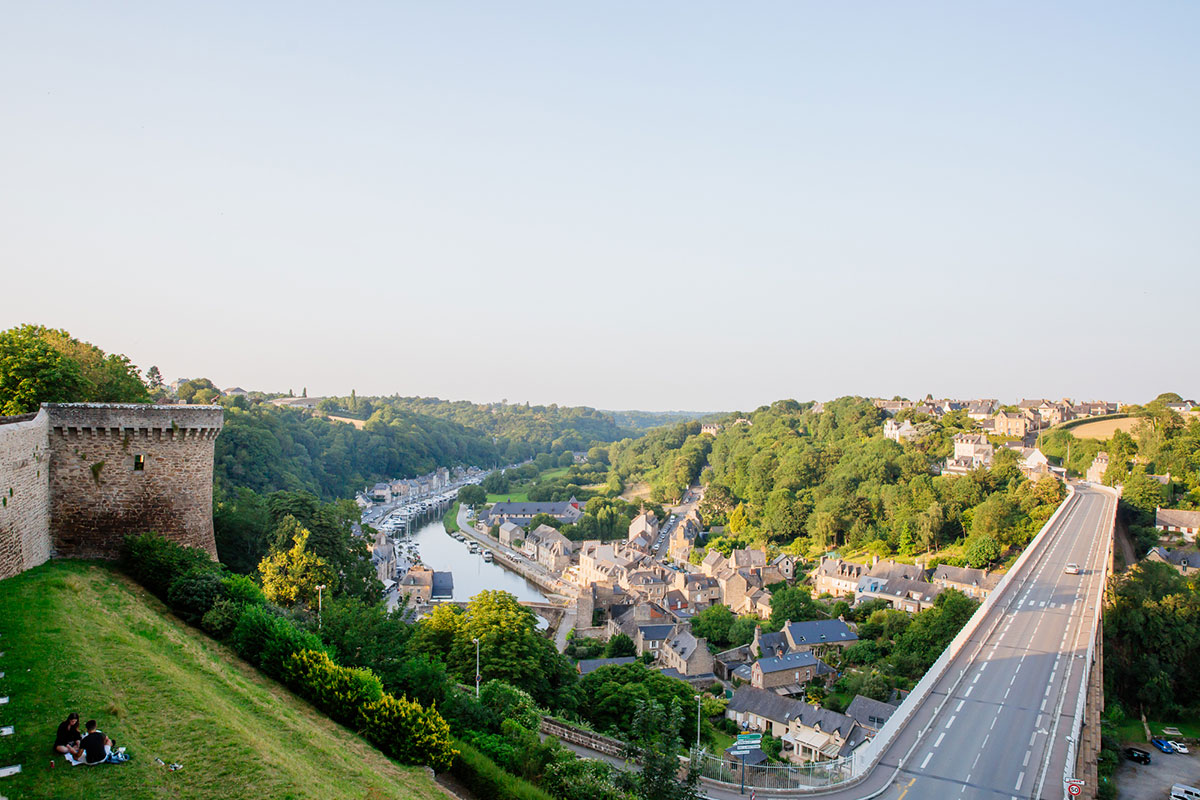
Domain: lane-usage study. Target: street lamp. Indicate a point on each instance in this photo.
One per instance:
(320, 588)
(477, 676)
(697, 722)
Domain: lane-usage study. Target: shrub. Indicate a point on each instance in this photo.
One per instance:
(285, 638)
(155, 562)
(483, 778)
(408, 732)
(194, 592)
(222, 617)
(250, 632)
(243, 589)
(338, 691)
(267, 640)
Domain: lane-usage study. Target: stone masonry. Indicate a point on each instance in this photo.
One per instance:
(82, 476)
(24, 493)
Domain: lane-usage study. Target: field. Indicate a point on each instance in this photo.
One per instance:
(77, 636)
(1103, 428)
(511, 497)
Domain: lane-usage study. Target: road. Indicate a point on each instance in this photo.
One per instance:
(996, 725)
(661, 546)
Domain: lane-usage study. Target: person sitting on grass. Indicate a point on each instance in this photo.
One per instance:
(95, 746)
(68, 737)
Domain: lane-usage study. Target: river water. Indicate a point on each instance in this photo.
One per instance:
(471, 573)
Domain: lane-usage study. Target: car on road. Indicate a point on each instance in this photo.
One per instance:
(1134, 754)
(1178, 747)
(1162, 745)
(1072, 569)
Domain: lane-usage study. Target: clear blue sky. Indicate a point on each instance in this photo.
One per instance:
(627, 205)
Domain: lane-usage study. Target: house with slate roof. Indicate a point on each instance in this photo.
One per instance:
(567, 512)
(788, 673)
(686, 653)
(1184, 561)
(809, 733)
(977, 583)
(837, 578)
(592, 664)
(870, 714)
(1170, 520)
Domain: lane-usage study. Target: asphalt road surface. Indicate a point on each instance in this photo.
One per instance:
(996, 724)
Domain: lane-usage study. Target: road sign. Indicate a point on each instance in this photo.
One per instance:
(743, 751)
(1074, 787)
(749, 737)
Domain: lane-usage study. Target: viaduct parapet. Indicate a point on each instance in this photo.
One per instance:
(76, 478)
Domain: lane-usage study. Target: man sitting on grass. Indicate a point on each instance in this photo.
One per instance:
(68, 737)
(95, 746)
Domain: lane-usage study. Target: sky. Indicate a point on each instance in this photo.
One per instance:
(624, 205)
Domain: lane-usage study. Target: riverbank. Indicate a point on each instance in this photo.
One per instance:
(517, 562)
(450, 519)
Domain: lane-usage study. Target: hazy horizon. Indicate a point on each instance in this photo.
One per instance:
(625, 207)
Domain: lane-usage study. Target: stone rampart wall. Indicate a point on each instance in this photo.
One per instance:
(76, 478)
(24, 493)
(116, 470)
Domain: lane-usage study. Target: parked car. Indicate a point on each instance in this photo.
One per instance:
(1140, 756)
(1162, 745)
(1072, 569)
(1178, 747)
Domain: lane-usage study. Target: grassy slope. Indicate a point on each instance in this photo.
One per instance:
(77, 636)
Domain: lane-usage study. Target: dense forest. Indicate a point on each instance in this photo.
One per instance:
(270, 448)
(522, 431)
(810, 482)
(648, 420)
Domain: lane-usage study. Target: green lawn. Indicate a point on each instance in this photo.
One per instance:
(450, 520)
(77, 636)
(514, 497)
(1131, 729)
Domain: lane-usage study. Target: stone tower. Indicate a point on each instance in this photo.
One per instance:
(77, 478)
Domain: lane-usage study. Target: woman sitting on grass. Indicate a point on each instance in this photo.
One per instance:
(67, 739)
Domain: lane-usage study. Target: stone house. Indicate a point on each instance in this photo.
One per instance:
(686, 654)
(786, 565)
(1169, 520)
(645, 525)
(788, 672)
(977, 583)
(900, 431)
(1096, 470)
(651, 638)
(836, 577)
(509, 533)
(1185, 562)
(1011, 424)
(870, 714)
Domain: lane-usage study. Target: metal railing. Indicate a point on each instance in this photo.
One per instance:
(815, 775)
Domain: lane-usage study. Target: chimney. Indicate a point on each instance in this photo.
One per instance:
(874, 561)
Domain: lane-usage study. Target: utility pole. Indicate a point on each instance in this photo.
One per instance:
(477, 675)
(697, 723)
(320, 588)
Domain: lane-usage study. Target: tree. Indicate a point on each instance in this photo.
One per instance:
(496, 483)
(154, 378)
(713, 623)
(33, 372)
(794, 604)
(473, 496)
(929, 525)
(292, 576)
(620, 646)
(1142, 492)
(655, 744)
(982, 550)
(188, 390)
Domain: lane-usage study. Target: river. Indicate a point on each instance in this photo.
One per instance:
(471, 573)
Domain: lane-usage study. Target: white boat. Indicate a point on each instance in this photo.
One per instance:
(487, 555)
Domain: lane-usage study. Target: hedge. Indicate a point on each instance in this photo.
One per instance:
(155, 562)
(408, 732)
(484, 778)
(337, 690)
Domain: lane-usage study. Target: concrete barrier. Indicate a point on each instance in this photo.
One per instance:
(584, 738)
(868, 756)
